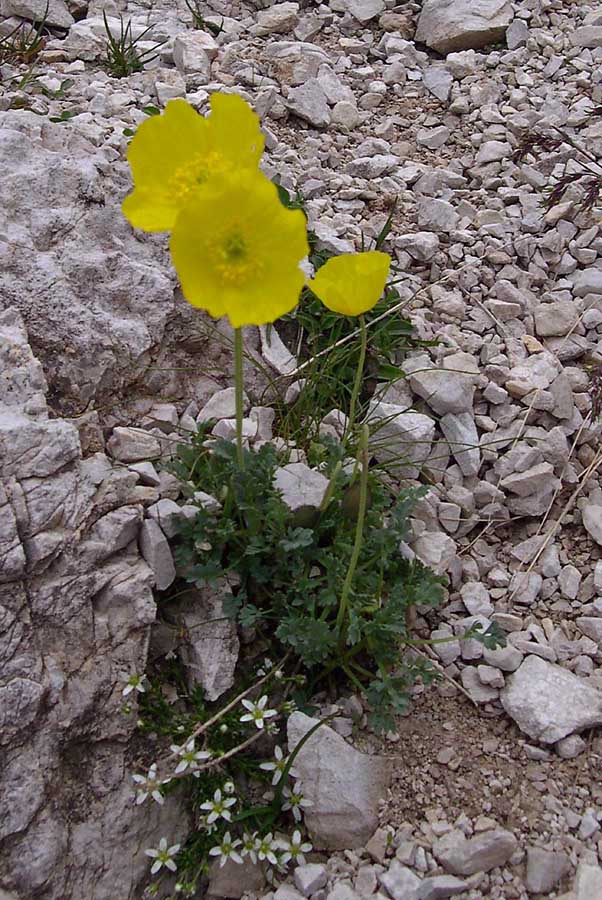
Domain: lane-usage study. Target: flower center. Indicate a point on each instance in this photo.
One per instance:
(193, 174)
(236, 265)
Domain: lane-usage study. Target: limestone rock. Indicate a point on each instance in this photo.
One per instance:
(587, 36)
(545, 868)
(232, 880)
(72, 635)
(168, 515)
(302, 488)
(364, 10)
(191, 57)
(449, 389)
(403, 440)
(478, 690)
(344, 785)
(132, 445)
(465, 856)
(592, 521)
(157, 553)
(570, 747)
(222, 405)
(548, 702)
(555, 318)
(294, 62)
(309, 102)
(57, 13)
(438, 81)
(310, 877)
(209, 649)
(437, 215)
(436, 550)
(587, 281)
(440, 887)
(400, 882)
(461, 434)
(421, 245)
(447, 25)
(588, 882)
(278, 19)
(70, 268)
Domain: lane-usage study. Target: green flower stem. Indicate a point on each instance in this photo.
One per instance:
(238, 384)
(429, 642)
(358, 378)
(343, 659)
(361, 670)
(353, 679)
(359, 528)
(331, 486)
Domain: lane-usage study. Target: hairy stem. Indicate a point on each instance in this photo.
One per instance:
(359, 528)
(238, 392)
(358, 379)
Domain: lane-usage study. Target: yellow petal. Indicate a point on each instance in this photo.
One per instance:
(237, 250)
(162, 146)
(234, 130)
(352, 283)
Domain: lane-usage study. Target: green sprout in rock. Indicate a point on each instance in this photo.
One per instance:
(123, 55)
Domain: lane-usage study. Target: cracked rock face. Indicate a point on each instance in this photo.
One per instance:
(94, 296)
(75, 609)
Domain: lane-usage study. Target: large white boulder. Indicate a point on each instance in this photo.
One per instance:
(448, 25)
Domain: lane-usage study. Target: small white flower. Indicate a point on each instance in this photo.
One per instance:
(277, 765)
(250, 844)
(189, 757)
(135, 683)
(163, 856)
(257, 711)
(218, 808)
(229, 787)
(149, 784)
(204, 824)
(226, 850)
(295, 801)
(266, 849)
(295, 849)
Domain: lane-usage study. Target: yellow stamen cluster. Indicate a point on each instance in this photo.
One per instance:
(194, 174)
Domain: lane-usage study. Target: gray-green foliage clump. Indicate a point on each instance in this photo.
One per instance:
(291, 578)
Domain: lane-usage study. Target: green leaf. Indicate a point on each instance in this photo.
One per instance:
(249, 616)
(297, 539)
(387, 372)
(493, 638)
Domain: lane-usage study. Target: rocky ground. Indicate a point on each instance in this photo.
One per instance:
(495, 788)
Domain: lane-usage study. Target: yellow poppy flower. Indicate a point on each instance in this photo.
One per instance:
(352, 283)
(237, 250)
(172, 156)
